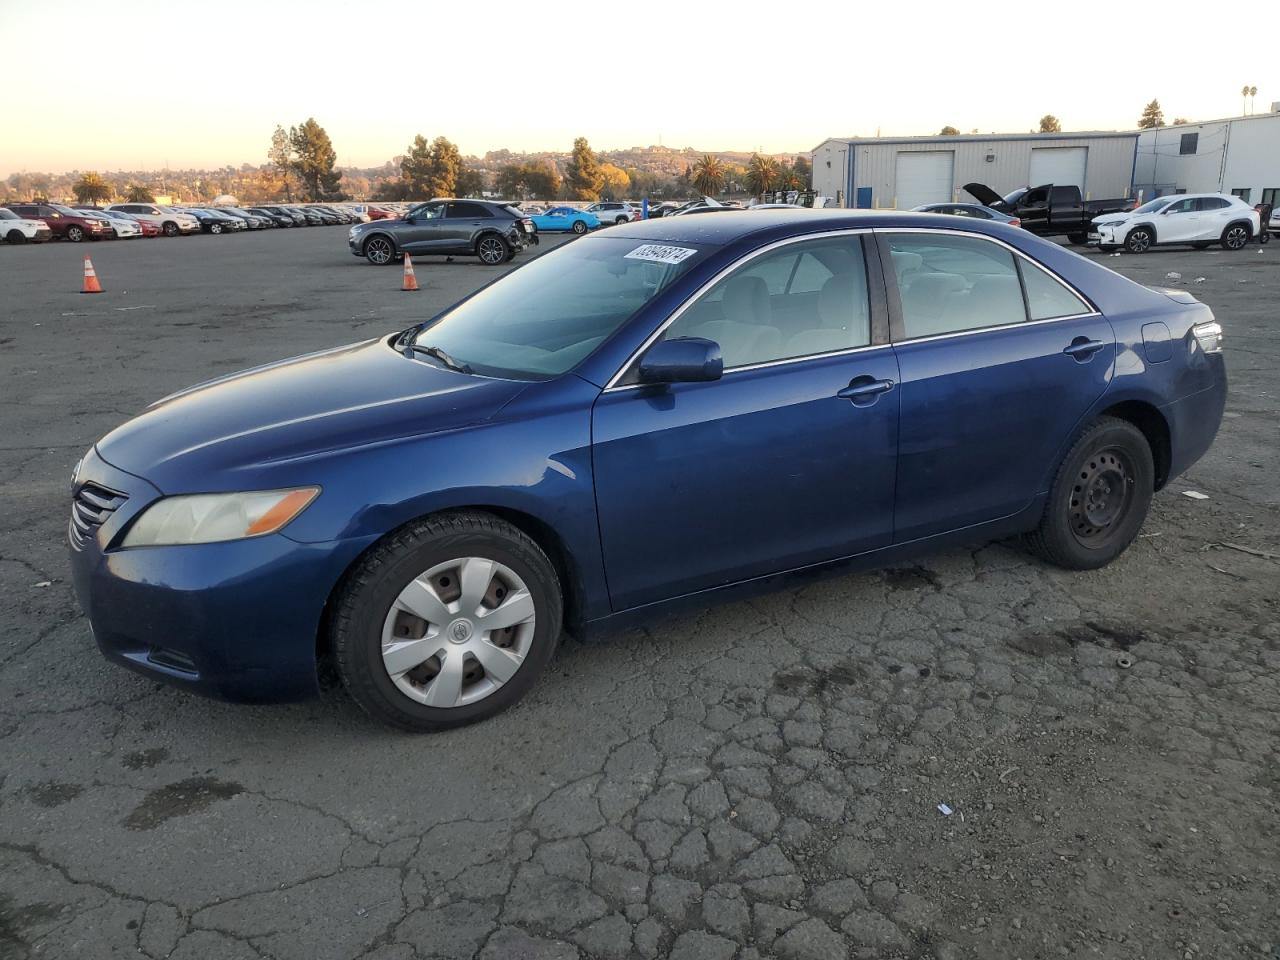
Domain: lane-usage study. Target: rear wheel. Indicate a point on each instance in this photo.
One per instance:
(1099, 498)
(1235, 237)
(579, 227)
(75, 234)
(379, 250)
(618, 221)
(1079, 239)
(492, 249)
(447, 622)
(1139, 240)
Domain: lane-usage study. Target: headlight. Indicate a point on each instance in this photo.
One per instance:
(212, 517)
(1111, 223)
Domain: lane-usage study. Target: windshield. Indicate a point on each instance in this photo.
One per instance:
(1152, 206)
(539, 321)
(1015, 196)
(8, 215)
(67, 211)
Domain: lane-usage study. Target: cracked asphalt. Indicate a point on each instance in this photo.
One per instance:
(759, 780)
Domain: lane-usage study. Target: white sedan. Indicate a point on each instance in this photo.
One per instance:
(1199, 219)
(123, 228)
(16, 229)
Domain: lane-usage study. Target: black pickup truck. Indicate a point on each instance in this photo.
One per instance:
(1049, 210)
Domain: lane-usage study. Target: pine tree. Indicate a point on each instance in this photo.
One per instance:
(313, 161)
(1152, 116)
(582, 173)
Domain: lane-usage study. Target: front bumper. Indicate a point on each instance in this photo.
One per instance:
(235, 621)
(41, 235)
(1107, 236)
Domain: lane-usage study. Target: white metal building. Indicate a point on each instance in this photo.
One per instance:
(1240, 156)
(905, 172)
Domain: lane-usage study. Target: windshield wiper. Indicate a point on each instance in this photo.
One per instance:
(437, 354)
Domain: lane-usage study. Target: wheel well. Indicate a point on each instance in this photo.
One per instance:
(1154, 427)
(1247, 224)
(1146, 226)
(385, 236)
(540, 533)
(487, 233)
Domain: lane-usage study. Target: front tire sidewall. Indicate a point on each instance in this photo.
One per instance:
(1054, 539)
(378, 580)
(579, 227)
(373, 250)
(75, 234)
(1139, 241)
(170, 229)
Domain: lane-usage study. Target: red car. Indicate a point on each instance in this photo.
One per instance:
(66, 224)
(381, 213)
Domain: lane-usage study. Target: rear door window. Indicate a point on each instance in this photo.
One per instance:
(957, 283)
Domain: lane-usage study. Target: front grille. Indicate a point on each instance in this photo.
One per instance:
(90, 508)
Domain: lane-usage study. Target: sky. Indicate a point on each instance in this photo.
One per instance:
(185, 84)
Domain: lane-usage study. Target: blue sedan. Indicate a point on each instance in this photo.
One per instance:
(565, 219)
(675, 413)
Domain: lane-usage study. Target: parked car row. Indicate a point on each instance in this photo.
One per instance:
(37, 222)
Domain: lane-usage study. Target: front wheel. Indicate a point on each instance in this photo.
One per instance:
(492, 250)
(1079, 239)
(579, 227)
(75, 234)
(1139, 240)
(379, 251)
(170, 228)
(215, 228)
(1099, 498)
(1235, 237)
(447, 622)
(16, 236)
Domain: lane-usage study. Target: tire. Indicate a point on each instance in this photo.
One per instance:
(215, 228)
(1200, 246)
(1087, 522)
(1140, 240)
(1077, 239)
(75, 234)
(379, 250)
(579, 227)
(619, 221)
(1236, 237)
(492, 249)
(424, 566)
(169, 228)
(16, 236)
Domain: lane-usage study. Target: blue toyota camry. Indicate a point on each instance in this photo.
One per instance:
(674, 413)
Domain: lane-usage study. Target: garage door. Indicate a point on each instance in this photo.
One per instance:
(1063, 166)
(924, 177)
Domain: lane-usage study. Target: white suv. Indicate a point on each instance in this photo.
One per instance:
(608, 211)
(16, 229)
(1195, 218)
(171, 222)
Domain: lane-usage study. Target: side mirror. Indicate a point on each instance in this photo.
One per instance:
(682, 360)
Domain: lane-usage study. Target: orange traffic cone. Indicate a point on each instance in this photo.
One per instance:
(410, 281)
(91, 284)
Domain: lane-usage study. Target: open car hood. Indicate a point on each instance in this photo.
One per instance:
(984, 195)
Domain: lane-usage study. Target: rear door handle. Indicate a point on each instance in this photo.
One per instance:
(1082, 348)
(864, 389)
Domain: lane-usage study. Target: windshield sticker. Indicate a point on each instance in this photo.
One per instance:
(658, 253)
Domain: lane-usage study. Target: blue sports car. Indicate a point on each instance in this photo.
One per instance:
(676, 412)
(562, 219)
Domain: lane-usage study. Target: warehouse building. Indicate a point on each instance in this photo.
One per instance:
(905, 172)
(1240, 156)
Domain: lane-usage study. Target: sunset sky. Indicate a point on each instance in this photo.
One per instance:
(188, 84)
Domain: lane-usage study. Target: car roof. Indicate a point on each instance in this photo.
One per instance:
(736, 225)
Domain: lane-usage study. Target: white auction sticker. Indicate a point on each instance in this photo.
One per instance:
(658, 253)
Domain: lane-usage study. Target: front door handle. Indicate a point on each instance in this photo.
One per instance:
(864, 390)
(1082, 348)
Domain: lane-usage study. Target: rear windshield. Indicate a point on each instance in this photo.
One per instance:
(541, 320)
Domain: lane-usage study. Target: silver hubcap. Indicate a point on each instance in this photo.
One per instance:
(458, 632)
(1140, 241)
(1236, 237)
(379, 251)
(491, 251)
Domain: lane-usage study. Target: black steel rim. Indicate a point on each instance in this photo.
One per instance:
(1101, 497)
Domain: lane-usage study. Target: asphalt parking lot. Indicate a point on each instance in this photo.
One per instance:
(759, 780)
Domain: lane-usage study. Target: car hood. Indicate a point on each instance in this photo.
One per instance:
(209, 436)
(984, 195)
(1111, 218)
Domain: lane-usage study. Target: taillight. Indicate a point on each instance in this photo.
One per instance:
(1015, 222)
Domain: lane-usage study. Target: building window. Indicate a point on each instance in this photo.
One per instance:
(1189, 143)
(1271, 195)
(1241, 192)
